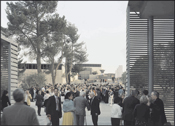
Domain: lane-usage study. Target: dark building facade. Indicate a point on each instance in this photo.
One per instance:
(150, 49)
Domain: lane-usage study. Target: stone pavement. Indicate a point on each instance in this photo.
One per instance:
(103, 119)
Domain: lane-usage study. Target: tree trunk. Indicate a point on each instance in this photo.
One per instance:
(57, 67)
(52, 72)
(38, 44)
(66, 71)
(39, 62)
(69, 78)
(71, 65)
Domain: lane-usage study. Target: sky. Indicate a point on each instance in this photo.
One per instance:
(101, 25)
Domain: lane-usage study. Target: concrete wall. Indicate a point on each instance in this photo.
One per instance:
(95, 69)
(84, 74)
(93, 77)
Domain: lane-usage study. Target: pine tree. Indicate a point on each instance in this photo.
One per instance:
(29, 22)
(76, 55)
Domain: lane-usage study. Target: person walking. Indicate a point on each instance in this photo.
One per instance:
(5, 99)
(120, 91)
(128, 107)
(68, 109)
(53, 108)
(27, 97)
(145, 92)
(80, 104)
(19, 114)
(39, 101)
(111, 96)
(42, 92)
(95, 109)
(43, 89)
(46, 97)
(32, 93)
(99, 94)
(116, 112)
(141, 112)
(37, 90)
(52, 91)
(107, 95)
(158, 117)
(77, 92)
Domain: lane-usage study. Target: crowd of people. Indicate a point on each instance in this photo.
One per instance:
(75, 98)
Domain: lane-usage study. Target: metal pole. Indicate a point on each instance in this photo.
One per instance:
(150, 40)
(9, 71)
(128, 51)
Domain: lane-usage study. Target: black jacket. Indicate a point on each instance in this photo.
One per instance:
(77, 94)
(5, 100)
(45, 102)
(116, 94)
(158, 113)
(120, 101)
(128, 107)
(42, 93)
(31, 91)
(99, 95)
(141, 112)
(94, 105)
(39, 100)
(51, 106)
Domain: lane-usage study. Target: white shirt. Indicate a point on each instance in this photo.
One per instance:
(26, 98)
(56, 100)
(116, 111)
(46, 96)
(51, 93)
(43, 88)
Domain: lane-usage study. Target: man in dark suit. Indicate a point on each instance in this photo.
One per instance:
(53, 108)
(158, 117)
(19, 113)
(32, 93)
(128, 107)
(77, 93)
(95, 109)
(39, 100)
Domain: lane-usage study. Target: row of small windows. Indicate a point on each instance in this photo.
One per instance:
(34, 66)
(47, 66)
(90, 65)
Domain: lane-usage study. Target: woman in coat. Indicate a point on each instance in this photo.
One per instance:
(68, 109)
(5, 99)
(39, 100)
(141, 112)
(27, 97)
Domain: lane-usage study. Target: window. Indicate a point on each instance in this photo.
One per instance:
(30, 66)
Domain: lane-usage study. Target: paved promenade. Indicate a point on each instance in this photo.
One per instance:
(103, 119)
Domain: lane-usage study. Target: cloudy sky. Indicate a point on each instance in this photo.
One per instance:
(101, 25)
